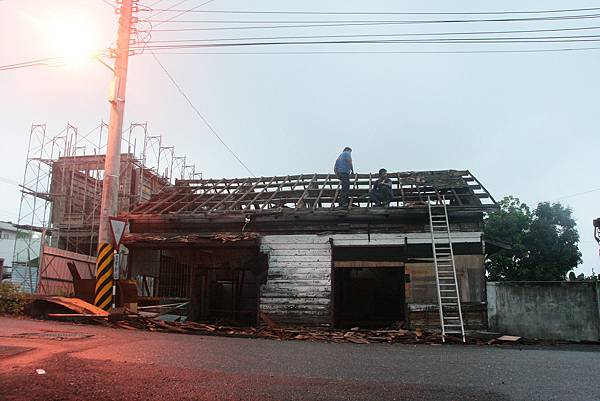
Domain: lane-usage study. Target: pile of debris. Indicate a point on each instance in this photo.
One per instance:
(55, 307)
(354, 335)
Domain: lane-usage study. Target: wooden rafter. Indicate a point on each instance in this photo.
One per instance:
(312, 192)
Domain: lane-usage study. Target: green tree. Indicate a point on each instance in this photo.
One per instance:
(543, 242)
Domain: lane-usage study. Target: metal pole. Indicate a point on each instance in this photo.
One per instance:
(112, 162)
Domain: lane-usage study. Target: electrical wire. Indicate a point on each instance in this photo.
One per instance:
(166, 9)
(108, 3)
(389, 52)
(378, 35)
(385, 13)
(383, 22)
(33, 63)
(430, 33)
(182, 12)
(565, 39)
(572, 195)
(214, 132)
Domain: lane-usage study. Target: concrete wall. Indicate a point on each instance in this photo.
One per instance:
(549, 310)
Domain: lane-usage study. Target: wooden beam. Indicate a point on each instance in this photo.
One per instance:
(356, 264)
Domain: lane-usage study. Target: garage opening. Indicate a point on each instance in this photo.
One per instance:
(369, 286)
(220, 281)
(225, 286)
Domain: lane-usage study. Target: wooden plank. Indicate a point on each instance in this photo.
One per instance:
(294, 308)
(320, 192)
(295, 292)
(248, 192)
(268, 201)
(324, 275)
(156, 205)
(306, 190)
(295, 239)
(298, 258)
(235, 191)
(192, 195)
(296, 264)
(296, 300)
(267, 248)
(324, 252)
(295, 283)
(366, 264)
(304, 271)
(297, 316)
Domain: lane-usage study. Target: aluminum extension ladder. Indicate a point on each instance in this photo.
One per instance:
(451, 319)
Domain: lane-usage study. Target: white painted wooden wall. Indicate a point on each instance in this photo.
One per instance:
(298, 287)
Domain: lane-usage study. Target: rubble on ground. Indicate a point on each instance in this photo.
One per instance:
(125, 319)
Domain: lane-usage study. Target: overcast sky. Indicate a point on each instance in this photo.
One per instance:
(525, 124)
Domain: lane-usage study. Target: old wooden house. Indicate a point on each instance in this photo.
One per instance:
(279, 248)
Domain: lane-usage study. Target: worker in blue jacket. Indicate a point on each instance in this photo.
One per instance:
(343, 168)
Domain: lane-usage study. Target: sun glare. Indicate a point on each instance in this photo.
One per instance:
(71, 38)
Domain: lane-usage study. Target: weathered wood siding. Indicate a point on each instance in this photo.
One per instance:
(298, 287)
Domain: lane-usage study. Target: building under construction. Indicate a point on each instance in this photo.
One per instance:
(279, 248)
(62, 188)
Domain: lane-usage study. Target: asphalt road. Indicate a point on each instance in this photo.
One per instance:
(116, 364)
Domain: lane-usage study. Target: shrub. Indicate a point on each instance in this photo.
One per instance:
(12, 301)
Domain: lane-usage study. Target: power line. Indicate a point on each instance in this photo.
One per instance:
(200, 114)
(389, 52)
(573, 195)
(166, 9)
(435, 40)
(426, 33)
(31, 63)
(386, 13)
(376, 22)
(108, 3)
(377, 35)
(274, 26)
(590, 38)
(182, 11)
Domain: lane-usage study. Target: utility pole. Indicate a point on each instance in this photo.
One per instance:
(112, 162)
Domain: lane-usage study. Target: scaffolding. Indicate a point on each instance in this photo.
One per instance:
(62, 188)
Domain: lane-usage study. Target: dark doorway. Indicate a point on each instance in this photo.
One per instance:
(368, 293)
(225, 286)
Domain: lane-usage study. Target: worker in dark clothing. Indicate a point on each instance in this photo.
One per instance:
(342, 169)
(381, 194)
